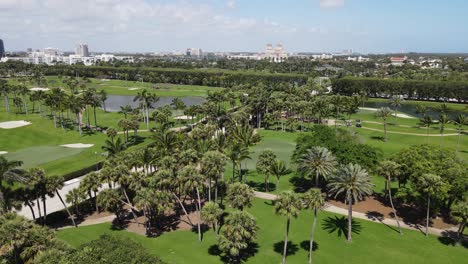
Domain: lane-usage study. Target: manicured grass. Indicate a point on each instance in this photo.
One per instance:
(372, 243)
(454, 106)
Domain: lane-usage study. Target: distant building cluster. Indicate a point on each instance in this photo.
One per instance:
(194, 52)
(53, 56)
(275, 54)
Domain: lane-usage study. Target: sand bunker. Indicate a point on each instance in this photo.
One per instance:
(13, 124)
(77, 145)
(133, 89)
(39, 89)
(3, 152)
(183, 118)
(375, 109)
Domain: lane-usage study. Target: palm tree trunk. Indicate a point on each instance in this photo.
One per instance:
(183, 208)
(66, 208)
(95, 119)
(317, 179)
(131, 206)
(95, 202)
(427, 214)
(39, 208)
(350, 219)
(209, 189)
(385, 130)
(198, 213)
(311, 245)
(32, 210)
(216, 190)
(285, 248)
(45, 209)
(393, 207)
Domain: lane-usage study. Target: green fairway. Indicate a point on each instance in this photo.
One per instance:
(372, 242)
(39, 155)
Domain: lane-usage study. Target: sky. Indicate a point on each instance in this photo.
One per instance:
(366, 26)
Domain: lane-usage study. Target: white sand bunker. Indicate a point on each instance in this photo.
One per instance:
(3, 152)
(13, 124)
(39, 89)
(133, 89)
(375, 109)
(77, 145)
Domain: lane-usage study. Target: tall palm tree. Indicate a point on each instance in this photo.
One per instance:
(354, 183)
(384, 113)
(317, 162)
(431, 185)
(237, 153)
(390, 170)
(90, 184)
(146, 100)
(8, 175)
(313, 199)
(426, 121)
(396, 101)
(56, 184)
(114, 147)
(443, 120)
(287, 204)
(461, 120)
(213, 164)
(278, 169)
(5, 90)
(110, 200)
(193, 181)
(211, 213)
(459, 213)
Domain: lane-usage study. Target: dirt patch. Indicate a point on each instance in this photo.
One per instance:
(378, 207)
(96, 215)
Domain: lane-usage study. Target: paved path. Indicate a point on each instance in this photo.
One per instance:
(386, 221)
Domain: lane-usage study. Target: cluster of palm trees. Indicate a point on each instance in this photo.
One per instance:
(61, 105)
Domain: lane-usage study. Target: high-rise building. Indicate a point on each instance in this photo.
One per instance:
(51, 51)
(2, 49)
(194, 52)
(82, 50)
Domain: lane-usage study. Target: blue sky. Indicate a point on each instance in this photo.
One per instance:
(368, 26)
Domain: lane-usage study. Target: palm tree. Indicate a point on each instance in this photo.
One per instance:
(313, 199)
(317, 162)
(5, 89)
(431, 185)
(193, 181)
(459, 213)
(278, 169)
(103, 98)
(390, 170)
(239, 230)
(91, 184)
(354, 183)
(287, 204)
(75, 197)
(146, 101)
(114, 147)
(56, 184)
(461, 120)
(443, 120)
(213, 164)
(264, 163)
(384, 113)
(396, 101)
(237, 153)
(240, 195)
(426, 121)
(125, 110)
(7, 166)
(211, 214)
(110, 200)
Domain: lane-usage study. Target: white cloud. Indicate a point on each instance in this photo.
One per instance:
(331, 3)
(231, 4)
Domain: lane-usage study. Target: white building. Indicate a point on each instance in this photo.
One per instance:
(358, 59)
(51, 51)
(322, 56)
(277, 54)
(82, 50)
(194, 52)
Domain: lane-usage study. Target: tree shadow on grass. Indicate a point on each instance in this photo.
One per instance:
(278, 247)
(244, 255)
(379, 138)
(449, 238)
(340, 225)
(377, 216)
(301, 184)
(306, 244)
(260, 186)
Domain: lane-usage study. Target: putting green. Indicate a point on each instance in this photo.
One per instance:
(39, 155)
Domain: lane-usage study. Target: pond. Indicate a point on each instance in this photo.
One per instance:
(409, 108)
(114, 102)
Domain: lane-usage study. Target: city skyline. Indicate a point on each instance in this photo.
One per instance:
(228, 25)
